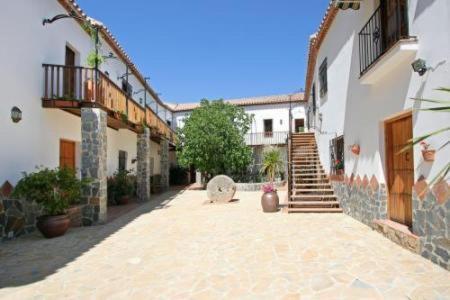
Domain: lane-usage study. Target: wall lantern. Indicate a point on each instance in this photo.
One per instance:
(16, 114)
(419, 66)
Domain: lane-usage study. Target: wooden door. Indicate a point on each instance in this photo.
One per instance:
(67, 154)
(69, 75)
(299, 125)
(400, 168)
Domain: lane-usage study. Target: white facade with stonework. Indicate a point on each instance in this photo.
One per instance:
(274, 108)
(25, 46)
(369, 102)
(356, 106)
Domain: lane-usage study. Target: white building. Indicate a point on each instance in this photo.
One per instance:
(270, 117)
(39, 137)
(360, 85)
(93, 120)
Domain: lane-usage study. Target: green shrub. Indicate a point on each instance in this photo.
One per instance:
(54, 189)
(178, 175)
(120, 184)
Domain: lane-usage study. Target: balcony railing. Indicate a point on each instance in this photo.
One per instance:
(266, 138)
(72, 87)
(387, 25)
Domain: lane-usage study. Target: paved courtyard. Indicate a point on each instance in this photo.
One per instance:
(178, 247)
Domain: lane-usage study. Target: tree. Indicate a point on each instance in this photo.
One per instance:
(212, 139)
(272, 163)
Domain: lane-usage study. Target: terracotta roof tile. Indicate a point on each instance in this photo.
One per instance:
(274, 99)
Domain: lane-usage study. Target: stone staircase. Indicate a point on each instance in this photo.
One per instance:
(310, 190)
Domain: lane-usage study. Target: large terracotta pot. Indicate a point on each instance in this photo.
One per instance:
(53, 226)
(270, 202)
(356, 149)
(428, 155)
(123, 200)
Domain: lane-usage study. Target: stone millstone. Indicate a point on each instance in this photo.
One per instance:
(221, 189)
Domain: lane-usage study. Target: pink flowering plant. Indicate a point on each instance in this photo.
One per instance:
(268, 188)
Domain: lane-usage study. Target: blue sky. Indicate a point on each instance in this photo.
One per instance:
(214, 49)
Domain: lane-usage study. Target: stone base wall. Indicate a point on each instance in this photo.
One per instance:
(17, 217)
(363, 199)
(366, 201)
(254, 187)
(431, 221)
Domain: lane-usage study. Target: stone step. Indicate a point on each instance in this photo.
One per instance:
(312, 184)
(316, 191)
(313, 203)
(312, 197)
(314, 210)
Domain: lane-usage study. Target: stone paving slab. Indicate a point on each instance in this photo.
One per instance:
(178, 247)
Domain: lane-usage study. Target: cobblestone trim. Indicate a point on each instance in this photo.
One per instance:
(93, 164)
(143, 166)
(164, 164)
(17, 217)
(431, 222)
(361, 199)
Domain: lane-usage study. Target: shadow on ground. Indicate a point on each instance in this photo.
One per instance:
(32, 258)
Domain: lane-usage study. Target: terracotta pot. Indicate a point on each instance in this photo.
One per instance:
(428, 155)
(339, 172)
(356, 149)
(53, 226)
(270, 202)
(124, 200)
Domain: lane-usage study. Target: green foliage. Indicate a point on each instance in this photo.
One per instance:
(272, 163)
(124, 117)
(444, 106)
(178, 175)
(212, 139)
(92, 57)
(54, 189)
(120, 184)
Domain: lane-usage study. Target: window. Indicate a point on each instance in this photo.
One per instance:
(337, 155)
(127, 88)
(313, 95)
(323, 78)
(268, 128)
(122, 160)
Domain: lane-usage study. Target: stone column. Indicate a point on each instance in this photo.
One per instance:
(93, 164)
(164, 164)
(198, 178)
(143, 165)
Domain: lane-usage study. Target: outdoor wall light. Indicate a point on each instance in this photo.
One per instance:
(420, 66)
(16, 114)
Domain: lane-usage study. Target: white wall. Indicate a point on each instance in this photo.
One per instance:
(279, 113)
(358, 111)
(25, 46)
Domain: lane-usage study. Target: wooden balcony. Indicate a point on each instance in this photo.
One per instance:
(72, 87)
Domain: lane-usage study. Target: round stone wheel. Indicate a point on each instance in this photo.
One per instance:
(221, 189)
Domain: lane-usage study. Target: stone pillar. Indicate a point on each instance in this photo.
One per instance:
(164, 164)
(198, 178)
(143, 165)
(93, 164)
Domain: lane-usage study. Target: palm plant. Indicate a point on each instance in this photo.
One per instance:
(444, 106)
(272, 162)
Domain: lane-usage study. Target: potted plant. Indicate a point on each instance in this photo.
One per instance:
(272, 165)
(269, 199)
(54, 190)
(122, 187)
(355, 149)
(428, 154)
(339, 166)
